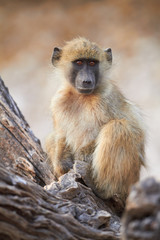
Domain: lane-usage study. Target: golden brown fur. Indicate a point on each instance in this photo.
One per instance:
(103, 126)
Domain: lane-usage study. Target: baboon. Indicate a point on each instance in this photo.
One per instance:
(93, 121)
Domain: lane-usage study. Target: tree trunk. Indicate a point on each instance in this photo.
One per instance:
(20, 150)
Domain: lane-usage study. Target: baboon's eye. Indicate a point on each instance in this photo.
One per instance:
(92, 63)
(79, 62)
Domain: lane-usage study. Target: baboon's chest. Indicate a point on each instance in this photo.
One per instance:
(81, 123)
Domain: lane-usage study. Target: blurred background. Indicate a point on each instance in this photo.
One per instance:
(30, 29)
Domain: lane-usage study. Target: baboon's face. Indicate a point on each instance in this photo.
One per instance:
(83, 63)
(84, 75)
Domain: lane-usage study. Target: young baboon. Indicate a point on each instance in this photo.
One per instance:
(93, 121)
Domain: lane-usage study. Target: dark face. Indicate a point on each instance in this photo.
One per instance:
(84, 75)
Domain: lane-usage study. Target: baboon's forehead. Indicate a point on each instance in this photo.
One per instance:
(82, 48)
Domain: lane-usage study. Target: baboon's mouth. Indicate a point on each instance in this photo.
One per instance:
(85, 90)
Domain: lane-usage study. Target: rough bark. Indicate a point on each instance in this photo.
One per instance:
(20, 150)
(66, 209)
(27, 211)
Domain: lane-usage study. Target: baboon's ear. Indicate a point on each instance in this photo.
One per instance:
(57, 52)
(108, 52)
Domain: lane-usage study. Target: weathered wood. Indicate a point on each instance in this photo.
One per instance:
(20, 150)
(27, 211)
(142, 215)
